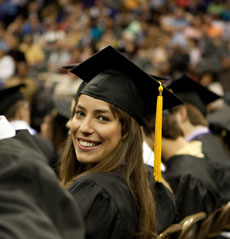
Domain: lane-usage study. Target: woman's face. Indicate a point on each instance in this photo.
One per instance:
(94, 129)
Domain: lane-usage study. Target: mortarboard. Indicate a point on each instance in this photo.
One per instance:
(62, 108)
(9, 96)
(70, 67)
(81, 86)
(112, 77)
(219, 121)
(193, 92)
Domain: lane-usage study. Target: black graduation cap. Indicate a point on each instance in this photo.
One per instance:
(62, 108)
(69, 67)
(112, 77)
(193, 92)
(219, 121)
(9, 96)
(81, 86)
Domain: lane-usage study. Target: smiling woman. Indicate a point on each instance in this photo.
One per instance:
(102, 165)
(95, 130)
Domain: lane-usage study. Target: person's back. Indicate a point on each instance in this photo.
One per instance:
(33, 205)
(192, 182)
(110, 197)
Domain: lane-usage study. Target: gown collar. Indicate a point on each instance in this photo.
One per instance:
(197, 133)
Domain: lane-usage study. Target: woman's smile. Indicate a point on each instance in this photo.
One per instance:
(87, 144)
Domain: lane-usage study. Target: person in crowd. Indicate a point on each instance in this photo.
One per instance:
(102, 165)
(22, 76)
(219, 123)
(191, 116)
(197, 185)
(53, 127)
(33, 204)
(17, 111)
(7, 67)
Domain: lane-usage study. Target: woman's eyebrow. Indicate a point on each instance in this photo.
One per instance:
(96, 111)
(80, 107)
(101, 111)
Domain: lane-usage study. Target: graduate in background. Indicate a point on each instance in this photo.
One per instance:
(53, 127)
(197, 185)
(219, 123)
(17, 111)
(191, 116)
(33, 204)
(103, 165)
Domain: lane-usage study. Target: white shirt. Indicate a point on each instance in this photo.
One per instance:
(148, 156)
(6, 130)
(21, 124)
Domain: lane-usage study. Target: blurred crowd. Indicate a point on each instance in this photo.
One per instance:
(163, 37)
(184, 42)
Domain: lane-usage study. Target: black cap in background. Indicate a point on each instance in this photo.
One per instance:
(9, 96)
(62, 108)
(193, 92)
(219, 120)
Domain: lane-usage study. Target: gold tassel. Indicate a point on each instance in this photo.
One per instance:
(158, 136)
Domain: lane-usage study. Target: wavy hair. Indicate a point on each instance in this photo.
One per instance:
(128, 150)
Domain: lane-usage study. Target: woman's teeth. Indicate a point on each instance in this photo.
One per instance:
(87, 144)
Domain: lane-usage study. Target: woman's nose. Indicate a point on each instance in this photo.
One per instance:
(86, 126)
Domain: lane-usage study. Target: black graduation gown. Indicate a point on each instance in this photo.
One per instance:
(212, 148)
(107, 205)
(47, 149)
(194, 184)
(32, 204)
(165, 203)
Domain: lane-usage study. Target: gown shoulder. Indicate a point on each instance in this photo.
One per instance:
(107, 205)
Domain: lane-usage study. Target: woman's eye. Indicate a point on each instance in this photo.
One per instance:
(103, 118)
(79, 113)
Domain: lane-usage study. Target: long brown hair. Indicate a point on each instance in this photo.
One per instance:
(129, 150)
